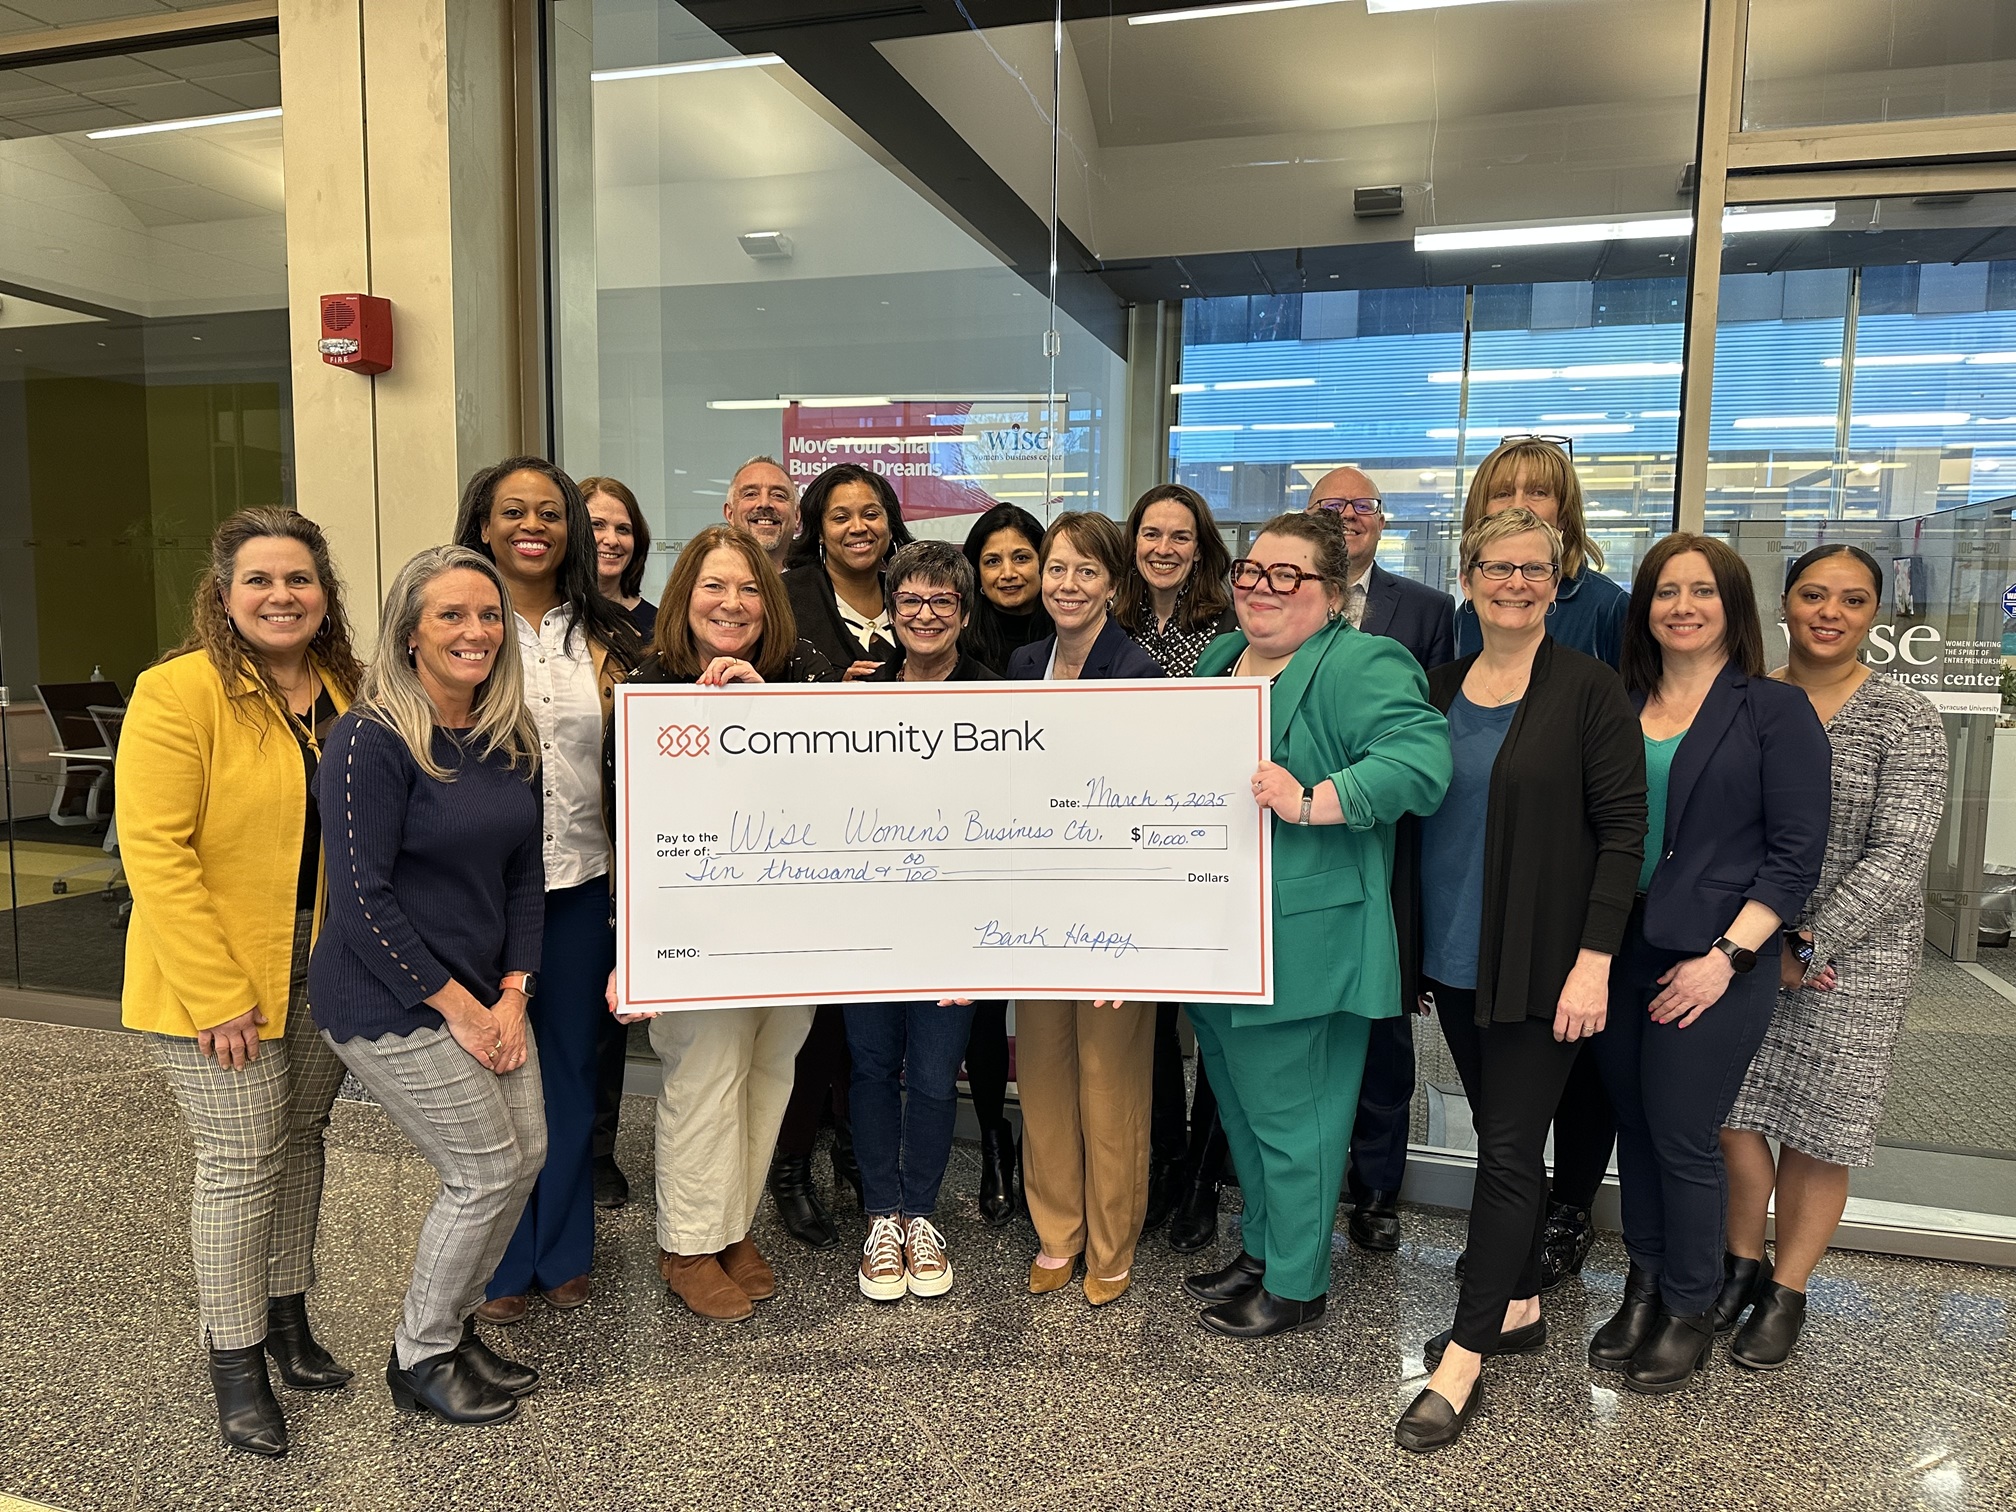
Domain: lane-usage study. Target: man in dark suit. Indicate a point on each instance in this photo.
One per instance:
(1422, 619)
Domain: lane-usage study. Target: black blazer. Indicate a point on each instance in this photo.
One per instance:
(966, 669)
(1114, 654)
(1421, 618)
(812, 605)
(1747, 807)
(1564, 832)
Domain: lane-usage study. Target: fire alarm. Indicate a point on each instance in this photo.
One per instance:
(356, 332)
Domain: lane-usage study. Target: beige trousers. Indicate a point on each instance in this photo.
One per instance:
(1085, 1075)
(726, 1078)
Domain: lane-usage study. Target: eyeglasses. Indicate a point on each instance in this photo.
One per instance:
(1566, 443)
(1349, 506)
(1498, 572)
(911, 605)
(1282, 577)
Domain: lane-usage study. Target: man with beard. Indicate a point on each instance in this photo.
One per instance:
(763, 501)
(1423, 620)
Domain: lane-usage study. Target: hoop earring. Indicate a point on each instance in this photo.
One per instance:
(321, 630)
(1553, 606)
(412, 660)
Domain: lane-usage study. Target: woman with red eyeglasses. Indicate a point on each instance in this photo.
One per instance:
(1356, 744)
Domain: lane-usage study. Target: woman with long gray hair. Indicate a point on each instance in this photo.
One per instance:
(437, 886)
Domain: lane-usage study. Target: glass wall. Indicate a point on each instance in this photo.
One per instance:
(143, 396)
(1836, 62)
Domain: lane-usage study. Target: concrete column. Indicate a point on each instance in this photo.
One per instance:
(402, 181)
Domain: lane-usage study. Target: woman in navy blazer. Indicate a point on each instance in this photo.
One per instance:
(1084, 1069)
(1737, 797)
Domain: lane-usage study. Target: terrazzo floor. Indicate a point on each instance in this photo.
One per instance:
(1903, 1396)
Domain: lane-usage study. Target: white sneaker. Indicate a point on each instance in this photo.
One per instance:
(930, 1268)
(882, 1261)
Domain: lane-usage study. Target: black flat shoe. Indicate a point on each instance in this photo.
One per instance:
(612, 1187)
(483, 1362)
(248, 1418)
(1523, 1340)
(1618, 1340)
(1259, 1314)
(1775, 1323)
(1743, 1282)
(1674, 1353)
(798, 1205)
(1375, 1223)
(1430, 1423)
(997, 1160)
(1233, 1281)
(448, 1386)
(1564, 1244)
(303, 1364)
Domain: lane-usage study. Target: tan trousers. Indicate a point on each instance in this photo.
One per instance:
(1085, 1076)
(726, 1078)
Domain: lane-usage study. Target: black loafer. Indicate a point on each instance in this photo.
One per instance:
(1375, 1223)
(1743, 1282)
(1430, 1423)
(1259, 1314)
(1511, 1341)
(508, 1376)
(1618, 1340)
(1775, 1322)
(1226, 1285)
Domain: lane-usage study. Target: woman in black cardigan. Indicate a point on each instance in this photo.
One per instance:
(833, 574)
(1526, 878)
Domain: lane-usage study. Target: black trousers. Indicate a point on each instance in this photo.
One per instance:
(987, 1061)
(820, 1081)
(1385, 1105)
(1174, 1113)
(1513, 1075)
(1585, 1132)
(611, 1051)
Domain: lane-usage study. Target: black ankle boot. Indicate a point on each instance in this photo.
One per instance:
(1564, 1244)
(1618, 1340)
(1743, 1281)
(449, 1387)
(304, 1364)
(1672, 1354)
(1166, 1186)
(798, 1205)
(1235, 1280)
(997, 1160)
(846, 1169)
(1195, 1222)
(508, 1376)
(247, 1415)
(1774, 1326)
(1375, 1222)
(1259, 1314)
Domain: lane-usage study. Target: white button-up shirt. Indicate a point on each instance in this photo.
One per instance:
(566, 705)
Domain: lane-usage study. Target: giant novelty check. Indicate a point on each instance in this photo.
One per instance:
(867, 842)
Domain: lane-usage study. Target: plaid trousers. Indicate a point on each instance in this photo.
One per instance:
(258, 1137)
(486, 1137)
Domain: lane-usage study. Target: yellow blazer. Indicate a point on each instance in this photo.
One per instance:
(211, 803)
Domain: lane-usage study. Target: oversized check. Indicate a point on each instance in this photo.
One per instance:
(868, 842)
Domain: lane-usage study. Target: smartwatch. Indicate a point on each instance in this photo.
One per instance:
(1800, 946)
(526, 982)
(1742, 960)
(1308, 797)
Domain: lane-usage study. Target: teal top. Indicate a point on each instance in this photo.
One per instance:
(1658, 771)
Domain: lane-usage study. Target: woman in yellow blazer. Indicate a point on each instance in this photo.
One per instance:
(222, 846)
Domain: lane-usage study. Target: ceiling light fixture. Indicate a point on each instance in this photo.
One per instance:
(1212, 12)
(1635, 228)
(765, 246)
(703, 65)
(190, 124)
(1386, 7)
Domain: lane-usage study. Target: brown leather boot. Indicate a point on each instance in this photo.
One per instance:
(699, 1282)
(747, 1268)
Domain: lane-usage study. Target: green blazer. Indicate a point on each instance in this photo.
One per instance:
(1353, 708)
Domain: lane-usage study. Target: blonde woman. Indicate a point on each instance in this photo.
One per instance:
(437, 889)
(223, 849)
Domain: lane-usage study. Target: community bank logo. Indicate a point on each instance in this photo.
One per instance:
(684, 740)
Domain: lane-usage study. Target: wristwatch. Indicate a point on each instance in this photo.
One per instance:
(526, 982)
(1742, 960)
(1800, 946)
(1308, 797)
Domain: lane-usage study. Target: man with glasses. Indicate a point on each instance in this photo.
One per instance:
(1422, 619)
(763, 501)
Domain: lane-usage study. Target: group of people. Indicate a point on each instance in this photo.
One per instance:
(1651, 892)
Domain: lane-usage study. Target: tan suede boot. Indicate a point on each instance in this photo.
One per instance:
(699, 1282)
(747, 1268)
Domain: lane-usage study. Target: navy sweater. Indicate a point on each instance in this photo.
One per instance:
(427, 880)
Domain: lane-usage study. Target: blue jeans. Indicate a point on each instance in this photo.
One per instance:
(903, 1142)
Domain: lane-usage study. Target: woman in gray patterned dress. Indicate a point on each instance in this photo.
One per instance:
(1817, 1086)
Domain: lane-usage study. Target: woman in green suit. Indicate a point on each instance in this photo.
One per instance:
(1356, 744)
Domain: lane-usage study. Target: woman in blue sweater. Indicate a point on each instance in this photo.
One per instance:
(431, 827)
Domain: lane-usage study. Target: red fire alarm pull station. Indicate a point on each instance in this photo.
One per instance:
(356, 332)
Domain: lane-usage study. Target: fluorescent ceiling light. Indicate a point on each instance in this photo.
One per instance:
(748, 404)
(185, 125)
(1499, 428)
(1913, 419)
(703, 65)
(1991, 359)
(1634, 228)
(1198, 430)
(1783, 422)
(1579, 373)
(1262, 383)
(1384, 7)
(1901, 359)
(1245, 8)
(1297, 425)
